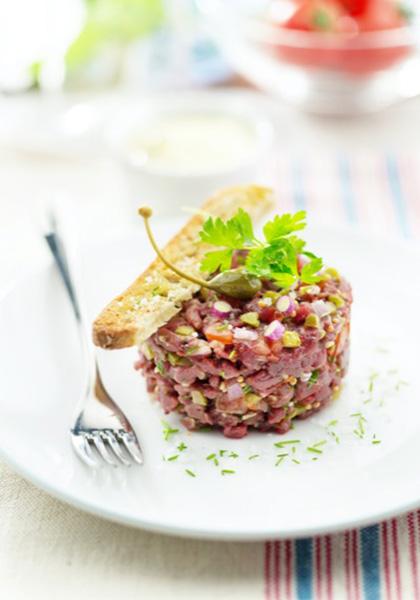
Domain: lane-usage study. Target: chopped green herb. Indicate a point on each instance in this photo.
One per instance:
(181, 447)
(247, 389)
(160, 366)
(296, 461)
(375, 440)
(318, 444)
(190, 473)
(211, 456)
(233, 455)
(222, 452)
(285, 443)
(280, 459)
(313, 378)
(173, 457)
(253, 456)
(168, 431)
(332, 423)
(274, 258)
(335, 436)
(314, 450)
(228, 471)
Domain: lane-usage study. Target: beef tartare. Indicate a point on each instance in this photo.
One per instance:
(264, 339)
(258, 364)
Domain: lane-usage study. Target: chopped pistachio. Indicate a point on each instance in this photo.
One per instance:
(184, 330)
(332, 273)
(313, 321)
(337, 300)
(309, 290)
(198, 398)
(250, 318)
(176, 360)
(291, 339)
(252, 400)
(147, 351)
(271, 294)
(232, 355)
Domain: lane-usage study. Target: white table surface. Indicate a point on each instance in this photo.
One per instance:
(46, 546)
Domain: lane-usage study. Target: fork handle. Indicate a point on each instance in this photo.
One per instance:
(59, 255)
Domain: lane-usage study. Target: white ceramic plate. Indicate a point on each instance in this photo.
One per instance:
(352, 483)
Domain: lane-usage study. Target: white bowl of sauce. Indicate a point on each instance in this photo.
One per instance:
(176, 152)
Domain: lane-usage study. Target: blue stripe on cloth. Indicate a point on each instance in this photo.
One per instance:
(369, 537)
(303, 548)
(298, 188)
(397, 195)
(304, 569)
(347, 189)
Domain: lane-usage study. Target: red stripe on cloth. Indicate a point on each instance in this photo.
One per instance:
(276, 571)
(347, 562)
(413, 554)
(288, 568)
(355, 565)
(328, 567)
(318, 569)
(267, 571)
(385, 557)
(395, 546)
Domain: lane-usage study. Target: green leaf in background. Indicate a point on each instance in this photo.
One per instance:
(113, 21)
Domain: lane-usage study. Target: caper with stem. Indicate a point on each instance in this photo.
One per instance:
(235, 283)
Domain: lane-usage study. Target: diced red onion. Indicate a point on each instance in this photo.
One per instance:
(286, 305)
(322, 308)
(199, 348)
(245, 334)
(305, 376)
(274, 331)
(234, 391)
(302, 260)
(221, 309)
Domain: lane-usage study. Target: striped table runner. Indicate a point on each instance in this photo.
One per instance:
(382, 194)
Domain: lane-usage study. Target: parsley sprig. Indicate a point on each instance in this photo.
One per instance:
(275, 258)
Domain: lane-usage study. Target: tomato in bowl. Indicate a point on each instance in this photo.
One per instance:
(359, 37)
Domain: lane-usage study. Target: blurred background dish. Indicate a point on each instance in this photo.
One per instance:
(177, 150)
(328, 56)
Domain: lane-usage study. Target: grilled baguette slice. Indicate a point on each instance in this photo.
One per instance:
(157, 295)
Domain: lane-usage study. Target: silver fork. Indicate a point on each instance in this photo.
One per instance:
(100, 424)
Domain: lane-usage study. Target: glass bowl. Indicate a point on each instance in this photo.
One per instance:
(330, 73)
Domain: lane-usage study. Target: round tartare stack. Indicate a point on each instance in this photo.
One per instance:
(238, 365)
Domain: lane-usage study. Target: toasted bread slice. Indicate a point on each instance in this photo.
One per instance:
(157, 295)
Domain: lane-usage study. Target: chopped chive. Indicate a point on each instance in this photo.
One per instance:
(332, 423)
(376, 441)
(281, 444)
(321, 443)
(168, 431)
(315, 458)
(253, 456)
(314, 450)
(222, 452)
(335, 436)
(211, 456)
(294, 450)
(233, 455)
(295, 460)
(228, 471)
(181, 447)
(173, 457)
(190, 473)
(280, 459)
